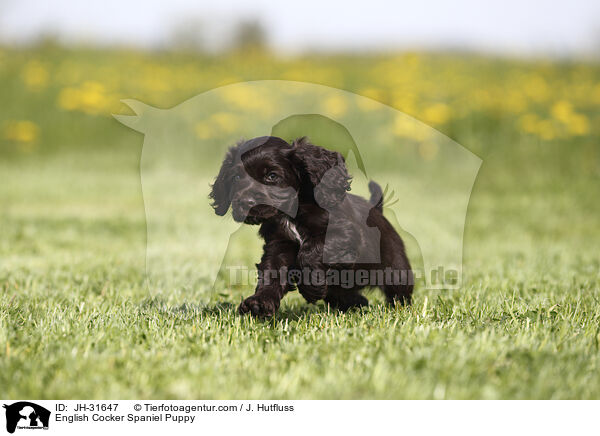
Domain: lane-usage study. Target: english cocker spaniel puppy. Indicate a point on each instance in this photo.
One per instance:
(320, 239)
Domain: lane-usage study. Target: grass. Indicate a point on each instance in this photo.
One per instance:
(77, 320)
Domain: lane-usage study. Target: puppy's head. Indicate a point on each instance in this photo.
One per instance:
(257, 180)
(262, 177)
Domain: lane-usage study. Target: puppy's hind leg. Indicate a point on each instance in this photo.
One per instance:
(345, 299)
(398, 286)
(398, 293)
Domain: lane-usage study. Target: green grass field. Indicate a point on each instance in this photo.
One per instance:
(77, 321)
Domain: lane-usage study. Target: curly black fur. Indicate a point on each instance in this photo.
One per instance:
(298, 194)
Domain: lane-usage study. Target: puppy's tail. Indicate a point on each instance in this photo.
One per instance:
(376, 195)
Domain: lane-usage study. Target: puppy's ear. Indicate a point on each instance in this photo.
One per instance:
(325, 170)
(221, 189)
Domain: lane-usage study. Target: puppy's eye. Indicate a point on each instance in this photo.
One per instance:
(271, 177)
(236, 177)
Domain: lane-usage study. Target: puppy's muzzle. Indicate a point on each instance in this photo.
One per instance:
(264, 205)
(241, 207)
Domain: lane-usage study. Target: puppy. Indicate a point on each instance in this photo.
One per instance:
(320, 239)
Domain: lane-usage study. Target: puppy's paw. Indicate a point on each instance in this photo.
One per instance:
(261, 307)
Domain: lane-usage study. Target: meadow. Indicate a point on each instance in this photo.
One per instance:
(77, 319)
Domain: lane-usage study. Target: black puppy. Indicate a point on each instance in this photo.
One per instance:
(318, 238)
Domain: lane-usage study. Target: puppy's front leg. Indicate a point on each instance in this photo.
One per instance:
(313, 287)
(278, 256)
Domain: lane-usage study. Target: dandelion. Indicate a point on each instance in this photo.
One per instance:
(335, 106)
(244, 97)
(562, 110)
(578, 124)
(405, 102)
(529, 123)
(515, 102)
(373, 93)
(438, 113)
(203, 130)
(575, 123)
(533, 124)
(68, 99)
(90, 97)
(406, 127)
(24, 131)
(225, 121)
(34, 75)
(367, 104)
(155, 81)
(537, 88)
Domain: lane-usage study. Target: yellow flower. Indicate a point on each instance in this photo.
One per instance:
(515, 102)
(68, 99)
(335, 106)
(529, 123)
(24, 132)
(203, 130)
(407, 127)
(545, 129)
(373, 93)
(35, 75)
(90, 97)
(578, 125)
(367, 104)
(154, 80)
(405, 102)
(438, 113)
(225, 121)
(537, 88)
(245, 97)
(562, 110)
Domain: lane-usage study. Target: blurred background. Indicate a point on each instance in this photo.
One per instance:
(517, 83)
(522, 68)
(510, 27)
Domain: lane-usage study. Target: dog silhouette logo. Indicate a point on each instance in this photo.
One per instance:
(428, 179)
(26, 415)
